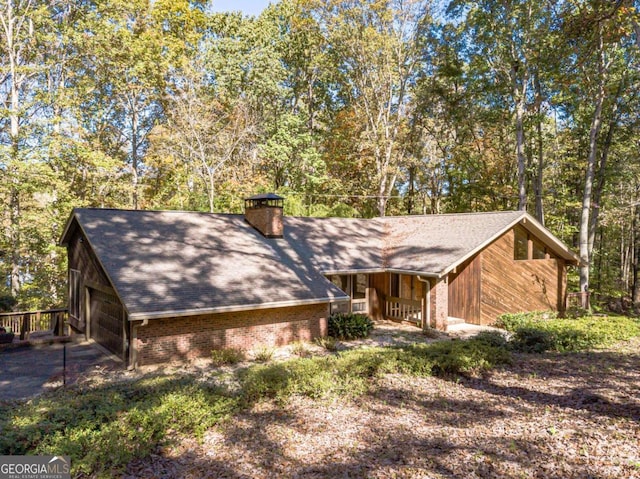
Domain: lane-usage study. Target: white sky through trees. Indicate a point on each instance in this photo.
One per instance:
(247, 7)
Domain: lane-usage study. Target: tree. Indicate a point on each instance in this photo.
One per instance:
(375, 48)
(595, 33)
(22, 47)
(504, 40)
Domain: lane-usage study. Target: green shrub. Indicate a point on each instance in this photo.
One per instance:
(349, 326)
(513, 321)
(531, 339)
(575, 312)
(264, 354)
(105, 428)
(492, 338)
(227, 356)
(566, 335)
(327, 342)
(450, 358)
(313, 377)
(590, 332)
(300, 349)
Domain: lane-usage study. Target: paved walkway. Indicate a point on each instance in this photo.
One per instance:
(29, 371)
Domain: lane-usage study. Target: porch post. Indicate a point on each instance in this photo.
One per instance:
(440, 304)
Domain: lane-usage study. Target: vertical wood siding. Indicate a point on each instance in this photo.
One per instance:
(82, 258)
(465, 291)
(510, 286)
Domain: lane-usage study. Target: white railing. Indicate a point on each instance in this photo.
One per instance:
(403, 309)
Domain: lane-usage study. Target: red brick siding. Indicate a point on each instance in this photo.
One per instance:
(180, 339)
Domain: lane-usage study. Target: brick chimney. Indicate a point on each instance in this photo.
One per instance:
(264, 213)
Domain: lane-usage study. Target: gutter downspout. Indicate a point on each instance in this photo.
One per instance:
(426, 317)
(133, 349)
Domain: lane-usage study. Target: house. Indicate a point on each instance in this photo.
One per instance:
(156, 286)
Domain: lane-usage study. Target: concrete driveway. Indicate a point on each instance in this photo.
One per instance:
(29, 371)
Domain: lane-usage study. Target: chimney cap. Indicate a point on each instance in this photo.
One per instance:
(266, 196)
(264, 200)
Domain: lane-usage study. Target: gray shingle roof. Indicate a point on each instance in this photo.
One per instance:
(434, 243)
(170, 261)
(178, 261)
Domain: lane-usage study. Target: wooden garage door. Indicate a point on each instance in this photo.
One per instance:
(107, 321)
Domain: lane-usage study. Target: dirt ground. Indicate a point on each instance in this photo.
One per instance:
(546, 416)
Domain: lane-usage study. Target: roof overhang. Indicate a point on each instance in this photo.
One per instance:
(329, 272)
(67, 227)
(532, 225)
(234, 308)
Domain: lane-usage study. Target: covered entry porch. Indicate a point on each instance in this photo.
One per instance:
(395, 296)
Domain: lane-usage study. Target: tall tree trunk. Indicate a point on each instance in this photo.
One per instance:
(519, 94)
(594, 132)
(538, 185)
(522, 188)
(134, 154)
(10, 25)
(600, 174)
(412, 191)
(635, 247)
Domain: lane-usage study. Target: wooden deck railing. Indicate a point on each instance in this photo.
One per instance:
(26, 322)
(403, 309)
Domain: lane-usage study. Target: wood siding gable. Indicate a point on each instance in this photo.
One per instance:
(510, 285)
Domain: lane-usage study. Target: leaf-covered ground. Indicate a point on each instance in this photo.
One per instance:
(546, 416)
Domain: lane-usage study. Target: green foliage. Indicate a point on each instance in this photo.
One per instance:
(450, 358)
(300, 349)
(7, 303)
(327, 342)
(529, 339)
(263, 354)
(349, 326)
(535, 333)
(103, 429)
(227, 356)
(492, 338)
(513, 321)
(350, 373)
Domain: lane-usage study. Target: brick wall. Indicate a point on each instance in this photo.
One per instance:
(180, 339)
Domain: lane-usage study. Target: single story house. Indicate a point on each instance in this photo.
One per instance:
(157, 286)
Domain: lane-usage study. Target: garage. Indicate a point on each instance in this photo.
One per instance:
(107, 321)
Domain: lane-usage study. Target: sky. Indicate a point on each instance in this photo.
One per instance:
(248, 7)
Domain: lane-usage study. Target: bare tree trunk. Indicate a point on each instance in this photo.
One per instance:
(11, 26)
(594, 132)
(134, 154)
(600, 175)
(538, 186)
(519, 94)
(522, 188)
(635, 289)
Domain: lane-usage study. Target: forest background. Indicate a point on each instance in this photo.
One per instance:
(353, 108)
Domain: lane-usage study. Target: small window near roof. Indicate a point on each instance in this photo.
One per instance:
(539, 251)
(520, 250)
